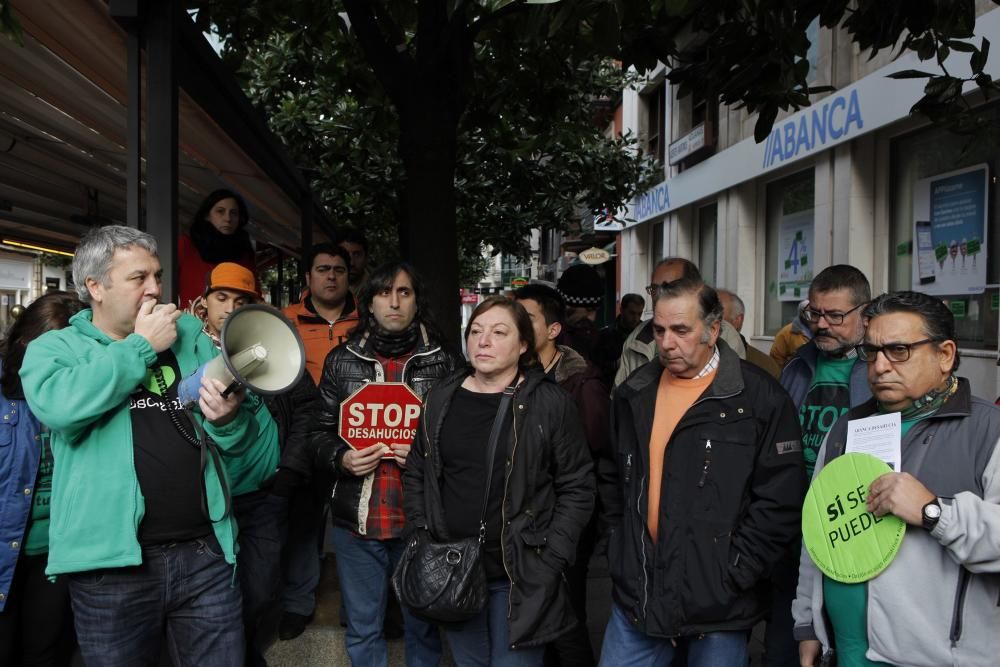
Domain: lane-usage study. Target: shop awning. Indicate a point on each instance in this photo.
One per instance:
(63, 122)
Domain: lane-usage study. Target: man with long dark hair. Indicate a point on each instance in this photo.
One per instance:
(395, 341)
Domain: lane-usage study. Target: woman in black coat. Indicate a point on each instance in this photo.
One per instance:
(540, 496)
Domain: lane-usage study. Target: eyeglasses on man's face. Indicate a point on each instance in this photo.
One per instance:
(833, 317)
(897, 353)
(655, 289)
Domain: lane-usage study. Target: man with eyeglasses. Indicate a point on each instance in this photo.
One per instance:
(825, 378)
(324, 318)
(640, 346)
(936, 603)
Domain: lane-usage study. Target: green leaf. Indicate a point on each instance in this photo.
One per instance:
(910, 74)
(958, 45)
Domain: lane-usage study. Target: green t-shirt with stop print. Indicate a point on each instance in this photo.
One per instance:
(828, 398)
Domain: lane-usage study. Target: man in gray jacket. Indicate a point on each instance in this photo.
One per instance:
(936, 603)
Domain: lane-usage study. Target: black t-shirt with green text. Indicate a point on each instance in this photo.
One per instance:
(167, 465)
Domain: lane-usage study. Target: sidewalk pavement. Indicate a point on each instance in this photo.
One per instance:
(322, 644)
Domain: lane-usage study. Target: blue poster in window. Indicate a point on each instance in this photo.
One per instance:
(950, 232)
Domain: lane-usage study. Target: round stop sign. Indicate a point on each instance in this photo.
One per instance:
(380, 413)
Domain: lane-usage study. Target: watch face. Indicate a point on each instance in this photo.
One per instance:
(932, 511)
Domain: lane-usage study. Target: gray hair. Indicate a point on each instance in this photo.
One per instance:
(708, 299)
(97, 248)
(736, 303)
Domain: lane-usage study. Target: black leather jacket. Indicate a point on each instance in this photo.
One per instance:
(733, 482)
(347, 368)
(548, 498)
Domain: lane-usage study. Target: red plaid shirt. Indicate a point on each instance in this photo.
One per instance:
(385, 507)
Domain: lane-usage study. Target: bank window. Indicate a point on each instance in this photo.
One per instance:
(655, 104)
(708, 220)
(790, 248)
(658, 242)
(944, 193)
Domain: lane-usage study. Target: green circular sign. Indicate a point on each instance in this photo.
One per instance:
(847, 542)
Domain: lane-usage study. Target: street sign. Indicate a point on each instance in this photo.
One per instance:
(594, 256)
(380, 413)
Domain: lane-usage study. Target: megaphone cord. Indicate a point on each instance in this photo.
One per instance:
(175, 418)
(204, 444)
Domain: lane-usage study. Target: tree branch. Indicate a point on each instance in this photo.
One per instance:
(386, 62)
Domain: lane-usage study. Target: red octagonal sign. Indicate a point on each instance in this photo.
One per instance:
(380, 413)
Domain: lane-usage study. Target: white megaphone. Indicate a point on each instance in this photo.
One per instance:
(261, 351)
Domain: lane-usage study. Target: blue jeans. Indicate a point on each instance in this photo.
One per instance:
(482, 641)
(364, 568)
(624, 646)
(262, 519)
(185, 589)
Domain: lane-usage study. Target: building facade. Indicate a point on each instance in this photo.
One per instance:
(853, 179)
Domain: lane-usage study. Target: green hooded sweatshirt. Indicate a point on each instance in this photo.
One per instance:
(77, 381)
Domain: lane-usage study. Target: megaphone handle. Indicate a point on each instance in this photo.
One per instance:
(233, 386)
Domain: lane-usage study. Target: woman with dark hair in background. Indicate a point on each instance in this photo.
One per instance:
(217, 234)
(538, 499)
(35, 620)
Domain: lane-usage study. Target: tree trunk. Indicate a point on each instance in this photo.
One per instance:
(428, 232)
(428, 90)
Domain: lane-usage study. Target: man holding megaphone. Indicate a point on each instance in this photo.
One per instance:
(261, 481)
(140, 514)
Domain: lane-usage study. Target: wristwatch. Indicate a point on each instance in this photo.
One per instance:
(930, 514)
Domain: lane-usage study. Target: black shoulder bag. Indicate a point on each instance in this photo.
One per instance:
(444, 582)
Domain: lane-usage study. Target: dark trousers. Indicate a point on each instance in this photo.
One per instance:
(36, 624)
(182, 592)
(573, 649)
(263, 520)
(302, 547)
(780, 647)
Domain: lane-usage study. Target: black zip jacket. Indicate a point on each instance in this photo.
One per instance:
(293, 411)
(548, 498)
(347, 368)
(732, 490)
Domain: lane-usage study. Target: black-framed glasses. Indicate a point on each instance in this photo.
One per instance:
(655, 289)
(897, 353)
(831, 316)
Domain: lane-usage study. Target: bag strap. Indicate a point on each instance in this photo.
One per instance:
(505, 399)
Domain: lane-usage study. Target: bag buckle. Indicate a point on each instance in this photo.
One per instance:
(453, 557)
